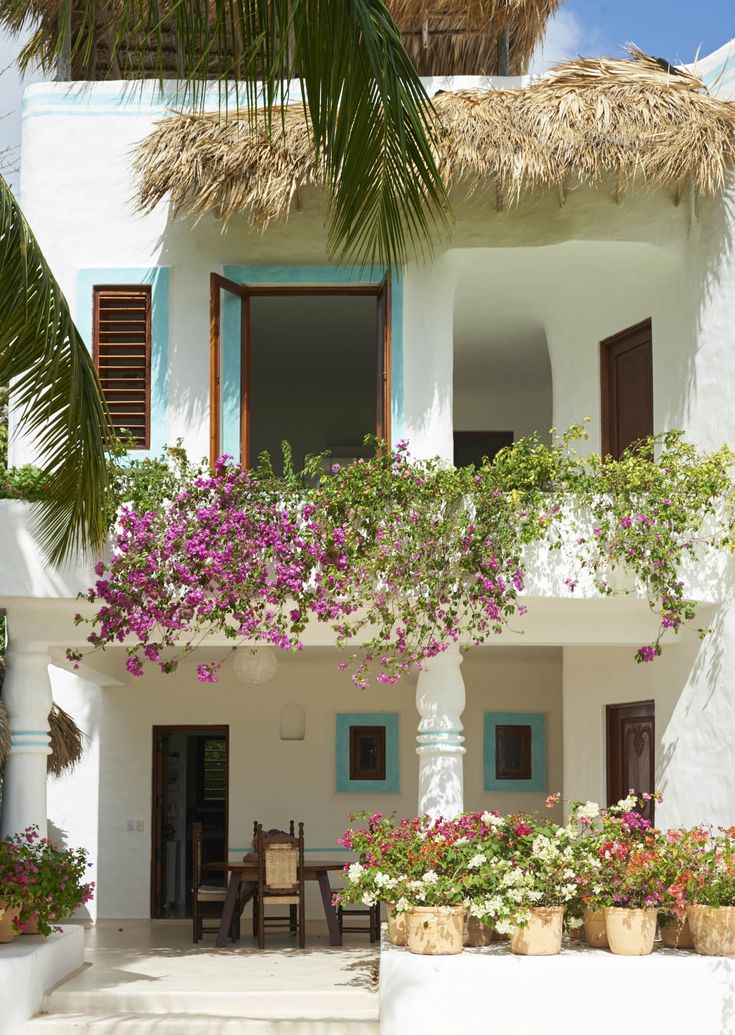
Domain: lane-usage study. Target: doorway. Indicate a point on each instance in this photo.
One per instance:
(309, 365)
(190, 785)
(626, 367)
(631, 751)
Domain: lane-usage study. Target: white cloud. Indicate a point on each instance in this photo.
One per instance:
(563, 40)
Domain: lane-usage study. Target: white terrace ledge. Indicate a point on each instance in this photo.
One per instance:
(29, 967)
(589, 990)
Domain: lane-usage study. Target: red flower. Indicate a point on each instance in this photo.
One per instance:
(522, 829)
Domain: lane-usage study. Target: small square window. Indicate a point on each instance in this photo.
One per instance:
(512, 752)
(367, 752)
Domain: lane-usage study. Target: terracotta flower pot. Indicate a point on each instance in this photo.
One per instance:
(542, 934)
(677, 934)
(713, 929)
(7, 930)
(435, 930)
(631, 932)
(595, 930)
(476, 933)
(397, 932)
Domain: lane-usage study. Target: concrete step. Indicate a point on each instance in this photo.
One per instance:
(195, 1024)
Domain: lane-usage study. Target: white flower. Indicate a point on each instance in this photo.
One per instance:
(369, 898)
(627, 804)
(491, 820)
(534, 896)
(402, 905)
(383, 880)
(493, 905)
(505, 927)
(355, 872)
(575, 922)
(568, 874)
(590, 810)
(430, 877)
(476, 861)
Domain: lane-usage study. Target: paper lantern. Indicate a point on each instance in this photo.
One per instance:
(255, 664)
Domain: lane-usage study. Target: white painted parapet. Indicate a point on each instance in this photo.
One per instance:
(27, 700)
(29, 967)
(491, 990)
(440, 700)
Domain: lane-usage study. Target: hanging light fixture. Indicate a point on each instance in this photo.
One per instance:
(255, 664)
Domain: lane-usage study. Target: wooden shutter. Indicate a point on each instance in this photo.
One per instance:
(122, 355)
(627, 389)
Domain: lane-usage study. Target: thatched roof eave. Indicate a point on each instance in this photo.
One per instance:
(587, 121)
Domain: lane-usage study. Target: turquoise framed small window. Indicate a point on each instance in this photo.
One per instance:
(514, 751)
(367, 741)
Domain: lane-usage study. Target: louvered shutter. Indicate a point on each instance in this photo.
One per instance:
(122, 354)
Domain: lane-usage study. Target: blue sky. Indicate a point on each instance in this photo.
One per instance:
(673, 29)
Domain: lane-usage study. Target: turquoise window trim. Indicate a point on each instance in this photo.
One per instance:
(537, 722)
(158, 278)
(392, 782)
(317, 275)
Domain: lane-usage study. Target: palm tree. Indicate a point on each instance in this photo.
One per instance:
(372, 125)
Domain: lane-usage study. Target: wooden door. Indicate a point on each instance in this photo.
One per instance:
(158, 824)
(626, 362)
(631, 751)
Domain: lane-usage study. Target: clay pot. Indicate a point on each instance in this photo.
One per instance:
(476, 933)
(7, 930)
(397, 932)
(677, 934)
(594, 929)
(542, 934)
(435, 930)
(631, 932)
(31, 925)
(576, 934)
(713, 929)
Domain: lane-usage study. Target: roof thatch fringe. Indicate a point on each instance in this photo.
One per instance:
(4, 734)
(67, 743)
(588, 120)
(442, 37)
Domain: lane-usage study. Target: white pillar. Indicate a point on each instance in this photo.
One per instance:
(440, 700)
(27, 699)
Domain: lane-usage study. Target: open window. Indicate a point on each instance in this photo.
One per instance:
(310, 365)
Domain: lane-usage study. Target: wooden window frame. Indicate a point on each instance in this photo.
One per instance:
(246, 292)
(606, 416)
(526, 770)
(356, 733)
(147, 291)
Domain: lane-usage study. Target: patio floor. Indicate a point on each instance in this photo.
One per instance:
(147, 976)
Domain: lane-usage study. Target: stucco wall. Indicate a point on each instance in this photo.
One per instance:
(270, 779)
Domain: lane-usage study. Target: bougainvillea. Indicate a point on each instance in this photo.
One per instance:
(399, 557)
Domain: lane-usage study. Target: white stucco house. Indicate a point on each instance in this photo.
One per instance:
(510, 328)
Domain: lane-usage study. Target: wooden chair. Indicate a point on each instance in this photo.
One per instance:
(372, 928)
(204, 897)
(292, 910)
(280, 881)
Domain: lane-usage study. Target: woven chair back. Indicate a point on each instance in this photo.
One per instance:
(281, 867)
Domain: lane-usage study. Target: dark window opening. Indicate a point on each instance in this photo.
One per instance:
(513, 753)
(471, 447)
(367, 752)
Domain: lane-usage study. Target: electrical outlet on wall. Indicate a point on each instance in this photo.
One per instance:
(131, 824)
(139, 825)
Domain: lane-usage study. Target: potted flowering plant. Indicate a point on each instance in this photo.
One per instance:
(711, 891)
(41, 882)
(524, 888)
(681, 851)
(630, 882)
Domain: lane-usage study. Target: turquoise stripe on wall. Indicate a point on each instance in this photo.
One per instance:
(312, 275)
(158, 278)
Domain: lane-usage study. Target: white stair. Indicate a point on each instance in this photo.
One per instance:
(195, 1024)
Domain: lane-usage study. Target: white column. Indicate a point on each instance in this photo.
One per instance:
(440, 700)
(27, 699)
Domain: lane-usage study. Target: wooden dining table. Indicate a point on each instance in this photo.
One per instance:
(246, 872)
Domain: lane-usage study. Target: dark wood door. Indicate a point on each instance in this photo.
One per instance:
(631, 751)
(627, 388)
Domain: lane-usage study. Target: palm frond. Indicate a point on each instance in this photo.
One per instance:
(54, 391)
(372, 124)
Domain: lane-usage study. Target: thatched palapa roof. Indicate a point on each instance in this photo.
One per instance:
(636, 121)
(443, 37)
